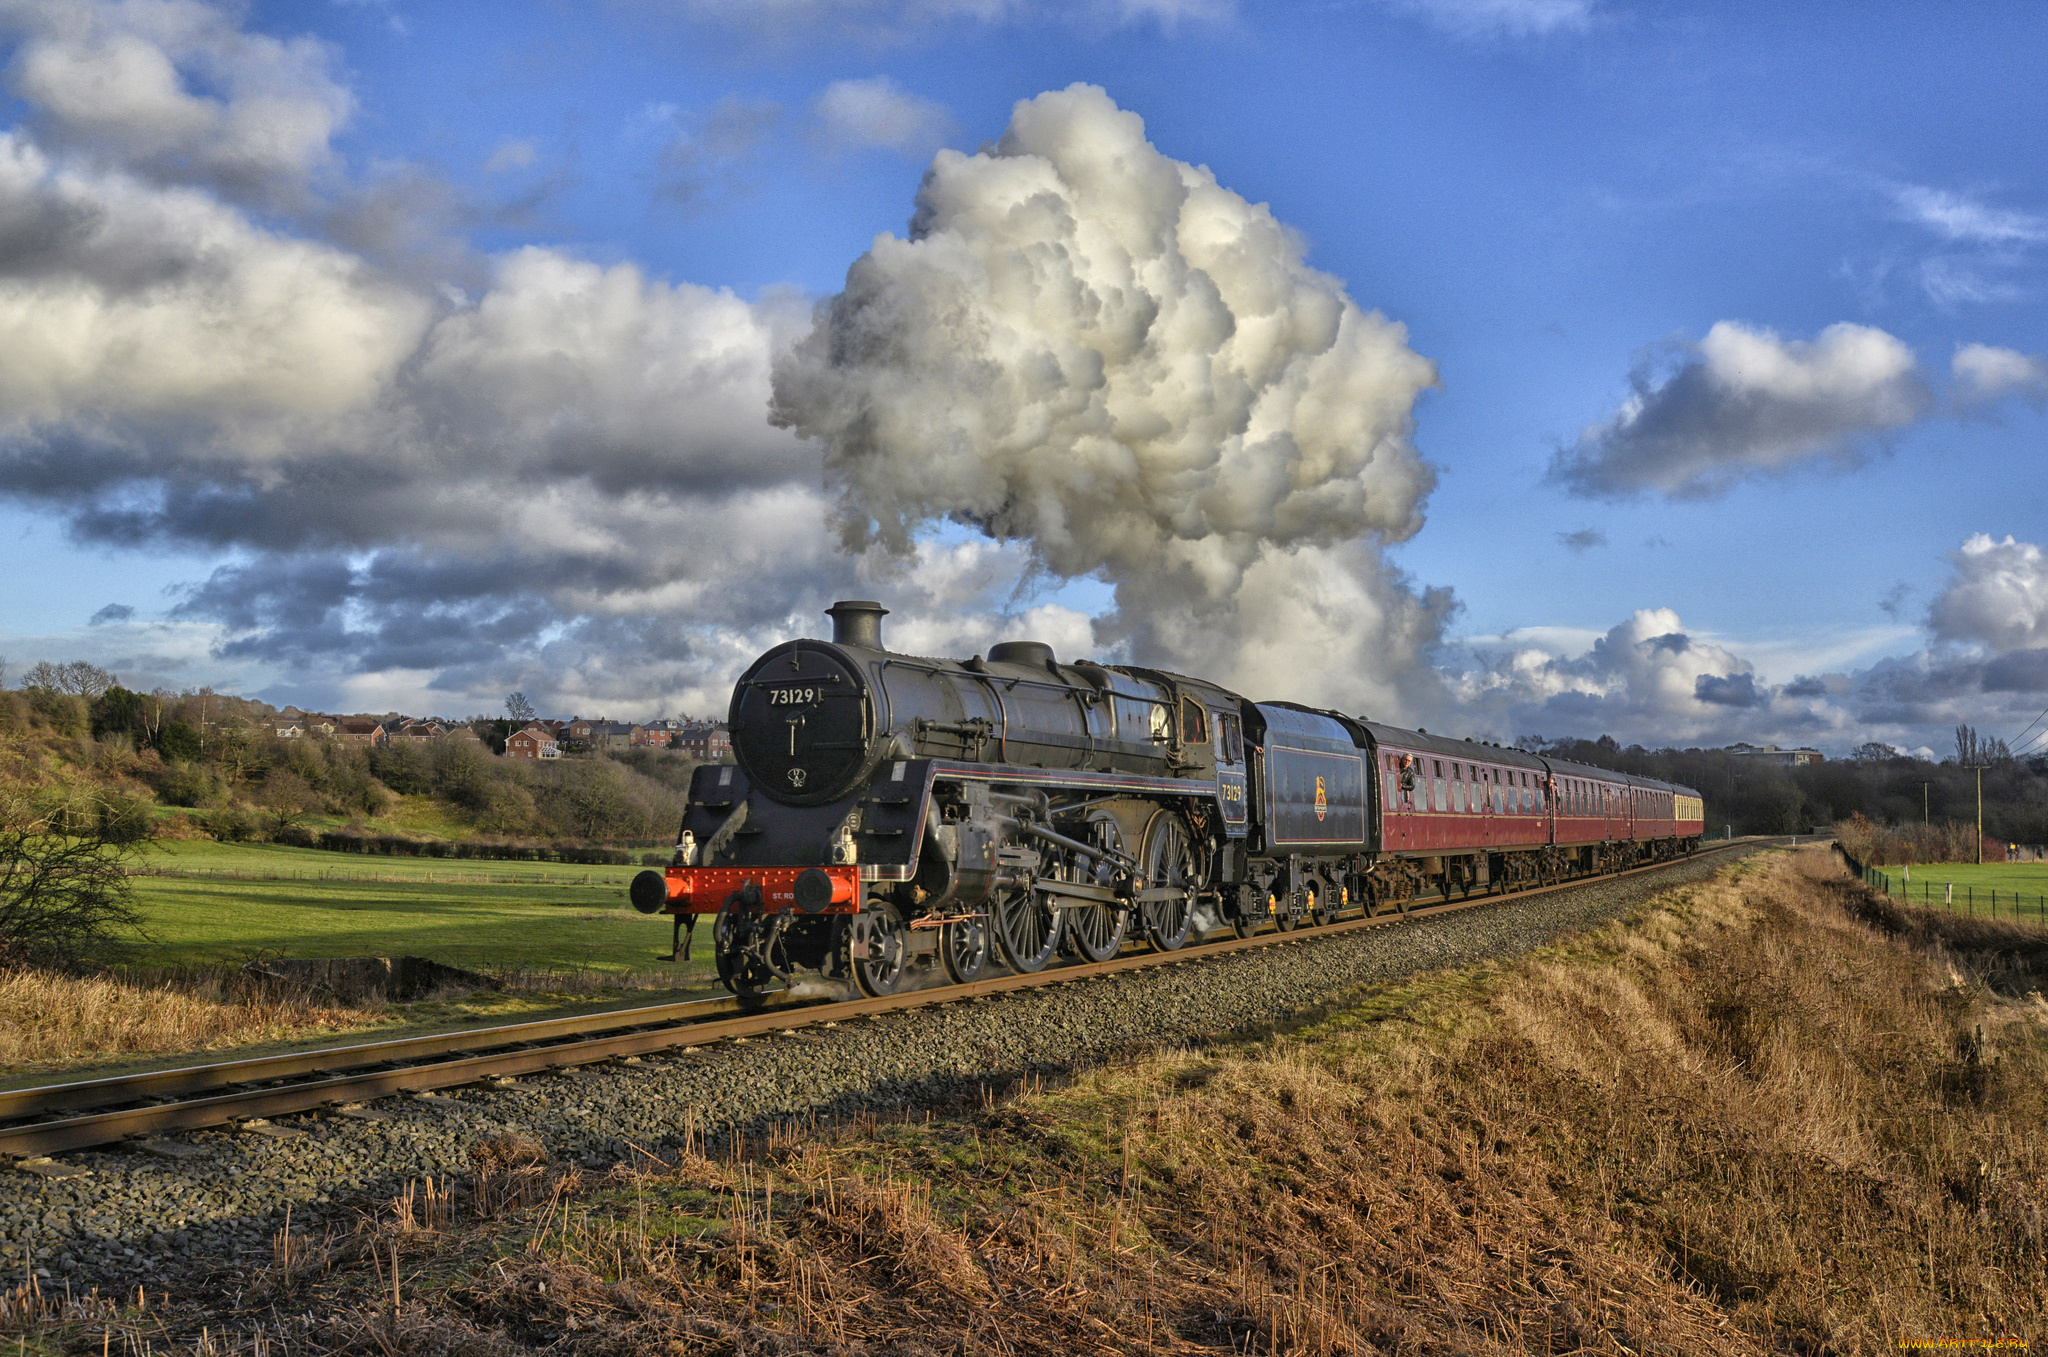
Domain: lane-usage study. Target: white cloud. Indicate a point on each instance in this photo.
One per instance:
(130, 301)
(1985, 373)
(878, 112)
(1646, 674)
(1997, 596)
(1745, 402)
(121, 80)
(1953, 216)
(1502, 18)
(897, 18)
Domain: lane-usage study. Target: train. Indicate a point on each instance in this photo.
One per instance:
(885, 813)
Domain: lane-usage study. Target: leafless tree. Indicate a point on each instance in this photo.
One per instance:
(288, 798)
(1973, 750)
(85, 680)
(519, 709)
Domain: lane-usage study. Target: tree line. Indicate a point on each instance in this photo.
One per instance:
(1878, 782)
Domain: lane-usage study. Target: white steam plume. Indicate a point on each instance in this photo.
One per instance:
(1098, 351)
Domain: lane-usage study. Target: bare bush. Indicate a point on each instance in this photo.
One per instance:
(64, 849)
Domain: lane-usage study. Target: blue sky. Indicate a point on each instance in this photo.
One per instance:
(1567, 203)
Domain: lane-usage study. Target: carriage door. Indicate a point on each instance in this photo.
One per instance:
(1398, 781)
(1230, 778)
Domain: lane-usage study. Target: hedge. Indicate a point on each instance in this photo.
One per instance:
(395, 845)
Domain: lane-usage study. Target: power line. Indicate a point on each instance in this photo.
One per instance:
(2030, 725)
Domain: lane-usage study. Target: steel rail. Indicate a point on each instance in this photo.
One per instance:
(332, 1076)
(328, 1060)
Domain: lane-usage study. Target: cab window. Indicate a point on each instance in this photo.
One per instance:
(1194, 722)
(1230, 736)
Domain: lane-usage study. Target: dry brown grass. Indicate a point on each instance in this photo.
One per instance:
(49, 1019)
(1746, 1124)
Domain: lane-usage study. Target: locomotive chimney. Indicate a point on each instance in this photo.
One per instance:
(857, 622)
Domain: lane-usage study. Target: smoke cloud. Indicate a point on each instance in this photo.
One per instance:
(1100, 353)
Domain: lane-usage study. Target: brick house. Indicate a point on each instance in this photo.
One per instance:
(586, 733)
(354, 731)
(705, 744)
(654, 735)
(287, 730)
(421, 732)
(532, 742)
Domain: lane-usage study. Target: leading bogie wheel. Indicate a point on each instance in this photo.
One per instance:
(1026, 928)
(739, 968)
(964, 949)
(880, 949)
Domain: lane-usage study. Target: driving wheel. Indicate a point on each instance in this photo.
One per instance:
(1170, 864)
(1026, 928)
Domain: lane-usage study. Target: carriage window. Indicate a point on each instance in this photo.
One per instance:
(1442, 800)
(1194, 722)
(1457, 787)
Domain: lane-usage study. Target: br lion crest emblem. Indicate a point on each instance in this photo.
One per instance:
(1322, 800)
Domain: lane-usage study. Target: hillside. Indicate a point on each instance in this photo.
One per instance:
(200, 764)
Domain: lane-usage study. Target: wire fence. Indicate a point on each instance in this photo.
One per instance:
(1990, 903)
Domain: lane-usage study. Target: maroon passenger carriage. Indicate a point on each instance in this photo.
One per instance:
(1451, 817)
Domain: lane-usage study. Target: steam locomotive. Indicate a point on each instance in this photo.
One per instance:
(888, 809)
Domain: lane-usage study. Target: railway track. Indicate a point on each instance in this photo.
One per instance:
(57, 1117)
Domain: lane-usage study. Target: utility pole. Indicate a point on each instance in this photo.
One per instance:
(1923, 807)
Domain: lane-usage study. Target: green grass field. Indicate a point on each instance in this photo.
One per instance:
(233, 902)
(2021, 886)
(204, 857)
